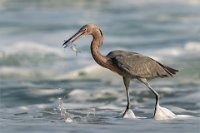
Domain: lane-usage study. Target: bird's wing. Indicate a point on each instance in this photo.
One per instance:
(137, 65)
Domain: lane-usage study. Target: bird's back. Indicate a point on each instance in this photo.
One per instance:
(137, 65)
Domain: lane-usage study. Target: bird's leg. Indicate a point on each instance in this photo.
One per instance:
(160, 113)
(126, 84)
(143, 80)
(128, 113)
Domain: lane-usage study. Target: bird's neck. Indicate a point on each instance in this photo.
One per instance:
(95, 46)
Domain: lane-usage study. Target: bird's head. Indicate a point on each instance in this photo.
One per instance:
(85, 30)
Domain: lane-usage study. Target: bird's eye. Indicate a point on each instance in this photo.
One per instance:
(84, 29)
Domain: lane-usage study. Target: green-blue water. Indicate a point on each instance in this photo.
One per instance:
(41, 84)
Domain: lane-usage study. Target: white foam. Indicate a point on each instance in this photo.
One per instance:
(105, 93)
(167, 89)
(68, 120)
(166, 114)
(168, 52)
(79, 94)
(129, 114)
(85, 71)
(22, 72)
(189, 50)
(26, 73)
(47, 92)
(193, 46)
(91, 72)
(163, 113)
(32, 48)
(183, 116)
(109, 106)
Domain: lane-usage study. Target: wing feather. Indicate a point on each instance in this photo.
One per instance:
(137, 64)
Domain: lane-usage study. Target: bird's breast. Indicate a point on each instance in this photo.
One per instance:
(109, 65)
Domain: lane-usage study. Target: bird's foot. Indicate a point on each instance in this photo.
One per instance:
(162, 113)
(128, 114)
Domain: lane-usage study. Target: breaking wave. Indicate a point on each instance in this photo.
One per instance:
(36, 60)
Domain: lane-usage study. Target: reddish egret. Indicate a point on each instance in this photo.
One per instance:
(130, 65)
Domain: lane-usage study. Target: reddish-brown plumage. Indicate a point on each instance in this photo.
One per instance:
(129, 65)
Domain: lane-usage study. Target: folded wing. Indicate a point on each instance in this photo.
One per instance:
(138, 65)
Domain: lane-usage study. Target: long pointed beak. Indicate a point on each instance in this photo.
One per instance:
(70, 41)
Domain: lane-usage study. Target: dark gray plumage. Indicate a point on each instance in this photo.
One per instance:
(139, 66)
(129, 65)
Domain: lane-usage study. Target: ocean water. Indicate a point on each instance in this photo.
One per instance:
(45, 88)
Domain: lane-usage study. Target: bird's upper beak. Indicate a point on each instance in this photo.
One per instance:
(69, 42)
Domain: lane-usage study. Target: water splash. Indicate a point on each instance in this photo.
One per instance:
(91, 111)
(128, 114)
(63, 113)
(73, 116)
(163, 113)
(166, 114)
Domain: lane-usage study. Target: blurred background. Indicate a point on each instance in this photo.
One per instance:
(35, 70)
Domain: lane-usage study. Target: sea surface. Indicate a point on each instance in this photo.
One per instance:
(45, 88)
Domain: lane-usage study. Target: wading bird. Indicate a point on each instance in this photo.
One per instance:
(130, 65)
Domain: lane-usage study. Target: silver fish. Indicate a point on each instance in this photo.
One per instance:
(74, 48)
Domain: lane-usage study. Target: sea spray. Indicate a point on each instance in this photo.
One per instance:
(63, 113)
(73, 116)
(91, 111)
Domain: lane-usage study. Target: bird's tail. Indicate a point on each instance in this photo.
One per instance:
(170, 71)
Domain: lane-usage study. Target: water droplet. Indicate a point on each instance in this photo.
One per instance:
(91, 111)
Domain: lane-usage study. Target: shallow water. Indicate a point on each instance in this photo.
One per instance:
(45, 88)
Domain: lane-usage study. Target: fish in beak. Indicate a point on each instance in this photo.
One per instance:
(70, 42)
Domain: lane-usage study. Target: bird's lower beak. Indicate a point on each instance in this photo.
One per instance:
(69, 42)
